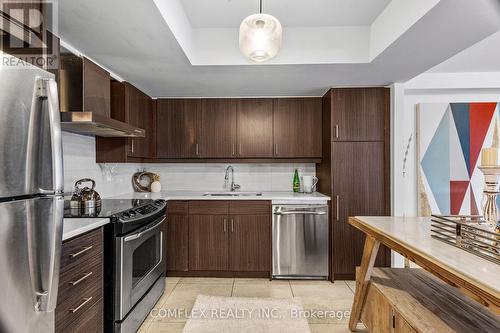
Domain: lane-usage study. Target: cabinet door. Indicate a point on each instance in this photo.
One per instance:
(360, 114)
(208, 239)
(297, 127)
(96, 89)
(358, 190)
(249, 243)
(218, 128)
(255, 127)
(177, 240)
(141, 113)
(178, 123)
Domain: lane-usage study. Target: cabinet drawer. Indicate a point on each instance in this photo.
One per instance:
(80, 249)
(90, 321)
(177, 207)
(207, 207)
(255, 207)
(76, 282)
(77, 308)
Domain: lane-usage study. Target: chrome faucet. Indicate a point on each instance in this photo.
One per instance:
(233, 186)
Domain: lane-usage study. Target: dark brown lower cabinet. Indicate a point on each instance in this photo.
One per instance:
(249, 243)
(219, 238)
(177, 240)
(208, 249)
(80, 293)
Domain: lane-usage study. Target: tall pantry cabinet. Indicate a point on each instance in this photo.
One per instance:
(354, 170)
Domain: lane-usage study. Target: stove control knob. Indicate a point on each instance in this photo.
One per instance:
(132, 213)
(159, 202)
(126, 215)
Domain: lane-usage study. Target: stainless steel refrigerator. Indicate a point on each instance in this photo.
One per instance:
(31, 197)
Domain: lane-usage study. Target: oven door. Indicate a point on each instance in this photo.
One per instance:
(139, 263)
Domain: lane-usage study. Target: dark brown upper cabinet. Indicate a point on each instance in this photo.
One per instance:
(255, 128)
(141, 110)
(218, 128)
(297, 127)
(130, 105)
(367, 123)
(178, 123)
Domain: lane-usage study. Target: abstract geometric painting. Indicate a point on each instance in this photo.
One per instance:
(450, 137)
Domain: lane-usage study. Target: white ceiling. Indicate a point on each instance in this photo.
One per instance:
(481, 57)
(132, 39)
(309, 13)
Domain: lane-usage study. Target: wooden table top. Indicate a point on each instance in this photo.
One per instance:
(411, 237)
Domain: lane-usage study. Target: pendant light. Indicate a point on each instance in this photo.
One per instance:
(260, 36)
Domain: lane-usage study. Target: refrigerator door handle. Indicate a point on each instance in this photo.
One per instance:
(44, 252)
(47, 88)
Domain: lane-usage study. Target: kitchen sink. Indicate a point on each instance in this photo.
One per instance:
(232, 194)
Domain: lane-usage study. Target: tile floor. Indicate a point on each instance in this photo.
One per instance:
(180, 295)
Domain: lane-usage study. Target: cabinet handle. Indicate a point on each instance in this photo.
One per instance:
(275, 149)
(83, 278)
(337, 131)
(337, 202)
(197, 152)
(234, 149)
(132, 148)
(232, 225)
(85, 301)
(239, 149)
(225, 225)
(79, 253)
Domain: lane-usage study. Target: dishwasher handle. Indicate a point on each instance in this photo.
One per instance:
(301, 212)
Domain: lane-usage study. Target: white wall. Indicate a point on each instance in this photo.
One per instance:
(115, 179)
(427, 88)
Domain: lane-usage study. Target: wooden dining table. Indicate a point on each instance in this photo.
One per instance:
(472, 275)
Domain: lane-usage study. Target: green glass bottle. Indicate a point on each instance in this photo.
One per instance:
(296, 181)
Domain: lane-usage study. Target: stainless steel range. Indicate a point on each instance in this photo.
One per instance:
(133, 260)
(135, 267)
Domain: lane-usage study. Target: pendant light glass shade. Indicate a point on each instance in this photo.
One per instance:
(260, 37)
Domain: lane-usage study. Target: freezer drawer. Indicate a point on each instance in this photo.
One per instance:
(300, 241)
(30, 251)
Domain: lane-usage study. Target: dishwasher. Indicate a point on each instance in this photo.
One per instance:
(300, 242)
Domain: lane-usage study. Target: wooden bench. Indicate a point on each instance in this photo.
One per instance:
(413, 300)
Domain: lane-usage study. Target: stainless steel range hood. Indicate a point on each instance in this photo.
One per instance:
(90, 123)
(84, 99)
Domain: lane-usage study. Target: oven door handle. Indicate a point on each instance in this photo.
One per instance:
(140, 234)
(301, 212)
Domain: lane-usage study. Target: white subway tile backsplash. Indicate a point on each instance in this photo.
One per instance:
(115, 179)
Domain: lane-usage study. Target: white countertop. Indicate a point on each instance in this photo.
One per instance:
(275, 197)
(73, 227)
(414, 233)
